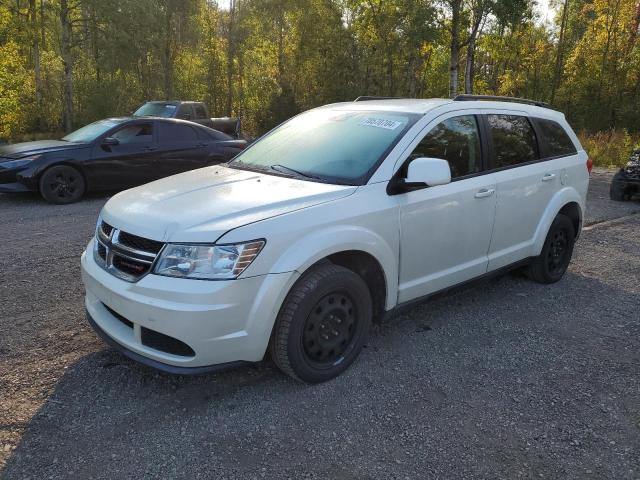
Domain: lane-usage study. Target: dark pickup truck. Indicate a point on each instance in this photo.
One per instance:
(193, 111)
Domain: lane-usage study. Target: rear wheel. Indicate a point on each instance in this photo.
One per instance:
(322, 325)
(553, 261)
(62, 184)
(617, 188)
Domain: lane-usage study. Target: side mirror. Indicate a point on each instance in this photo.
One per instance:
(186, 116)
(428, 172)
(110, 142)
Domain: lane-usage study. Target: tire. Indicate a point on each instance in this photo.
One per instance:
(553, 261)
(62, 184)
(322, 324)
(617, 187)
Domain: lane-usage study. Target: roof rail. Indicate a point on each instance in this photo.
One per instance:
(364, 98)
(497, 98)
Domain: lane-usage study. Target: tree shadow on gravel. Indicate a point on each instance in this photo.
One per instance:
(490, 381)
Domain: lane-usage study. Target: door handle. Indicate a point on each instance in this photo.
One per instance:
(485, 192)
(149, 149)
(548, 177)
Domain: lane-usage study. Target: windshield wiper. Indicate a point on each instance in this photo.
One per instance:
(283, 169)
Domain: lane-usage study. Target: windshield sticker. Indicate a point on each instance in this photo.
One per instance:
(170, 107)
(380, 123)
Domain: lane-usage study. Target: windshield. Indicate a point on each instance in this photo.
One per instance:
(156, 110)
(330, 145)
(89, 133)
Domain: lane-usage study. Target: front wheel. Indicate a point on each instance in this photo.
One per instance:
(553, 261)
(322, 325)
(62, 184)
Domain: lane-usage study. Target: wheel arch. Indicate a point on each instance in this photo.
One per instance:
(65, 163)
(567, 202)
(356, 248)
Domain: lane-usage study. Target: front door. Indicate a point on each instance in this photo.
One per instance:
(129, 163)
(445, 231)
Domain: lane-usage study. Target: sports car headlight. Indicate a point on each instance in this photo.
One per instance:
(207, 262)
(21, 162)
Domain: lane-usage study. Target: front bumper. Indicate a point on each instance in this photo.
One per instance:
(222, 322)
(14, 187)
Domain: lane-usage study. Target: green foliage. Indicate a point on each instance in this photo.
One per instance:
(610, 148)
(266, 60)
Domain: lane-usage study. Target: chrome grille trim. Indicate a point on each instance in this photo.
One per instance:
(116, 252)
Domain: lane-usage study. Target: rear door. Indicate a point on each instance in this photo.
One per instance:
(182, 148)
(526, 182)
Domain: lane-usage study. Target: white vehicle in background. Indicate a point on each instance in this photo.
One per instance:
(329, 222)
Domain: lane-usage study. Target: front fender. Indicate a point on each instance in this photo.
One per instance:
(559, 200)
(313, 247)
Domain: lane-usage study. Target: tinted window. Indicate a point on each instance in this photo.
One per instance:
(556, 141)
(185, 112)
(133, 134)
(175, 132)
(200, 112)
(455, 140)
(514, 140)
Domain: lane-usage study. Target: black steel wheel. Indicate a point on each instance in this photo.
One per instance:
(322, 325)
(62, 184)
(553, 261)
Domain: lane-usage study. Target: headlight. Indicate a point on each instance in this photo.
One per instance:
(21, 162)
(207, 262)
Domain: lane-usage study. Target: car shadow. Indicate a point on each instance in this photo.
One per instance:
(504, 347)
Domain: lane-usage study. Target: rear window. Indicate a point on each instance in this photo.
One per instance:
(514, 140)
(556, 142)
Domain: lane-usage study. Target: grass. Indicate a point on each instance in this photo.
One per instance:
(609, 148)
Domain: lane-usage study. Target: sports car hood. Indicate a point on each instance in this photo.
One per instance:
(19, 150)
(202, 205)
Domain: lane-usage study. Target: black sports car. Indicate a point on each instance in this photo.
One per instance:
(110, 154)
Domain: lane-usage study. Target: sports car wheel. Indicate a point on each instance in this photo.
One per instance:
(62, 184)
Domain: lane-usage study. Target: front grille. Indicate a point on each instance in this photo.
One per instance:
(140, 243)
(165, 343)
(123, 254)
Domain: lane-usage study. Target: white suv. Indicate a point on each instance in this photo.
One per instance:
(327, 223)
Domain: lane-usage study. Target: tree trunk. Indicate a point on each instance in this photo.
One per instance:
(168, 57)
(231, 52)
(557, 75)
(456, 6)
(67, 64)
(33, 16)
(468, 68)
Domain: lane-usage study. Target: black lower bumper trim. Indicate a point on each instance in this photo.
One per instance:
(163, 367)
(14, 188)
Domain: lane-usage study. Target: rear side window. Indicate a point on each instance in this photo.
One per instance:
(455, 140)
(200, 113)
(177, 133)
(556, 142)
(514, 140)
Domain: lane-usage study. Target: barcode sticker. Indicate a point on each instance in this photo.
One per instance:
(380, 123)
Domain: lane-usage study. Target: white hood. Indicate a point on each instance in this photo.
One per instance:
(202, 205)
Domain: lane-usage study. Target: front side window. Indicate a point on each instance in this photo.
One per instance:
(200, 112)
(328, 145)
(557, 142)
(455, 140)
(135, 134)
(514, 140)
(184, 112)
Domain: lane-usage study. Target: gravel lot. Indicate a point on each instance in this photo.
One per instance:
(505, 379)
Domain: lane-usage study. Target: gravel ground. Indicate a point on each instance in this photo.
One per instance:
(505, 379)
